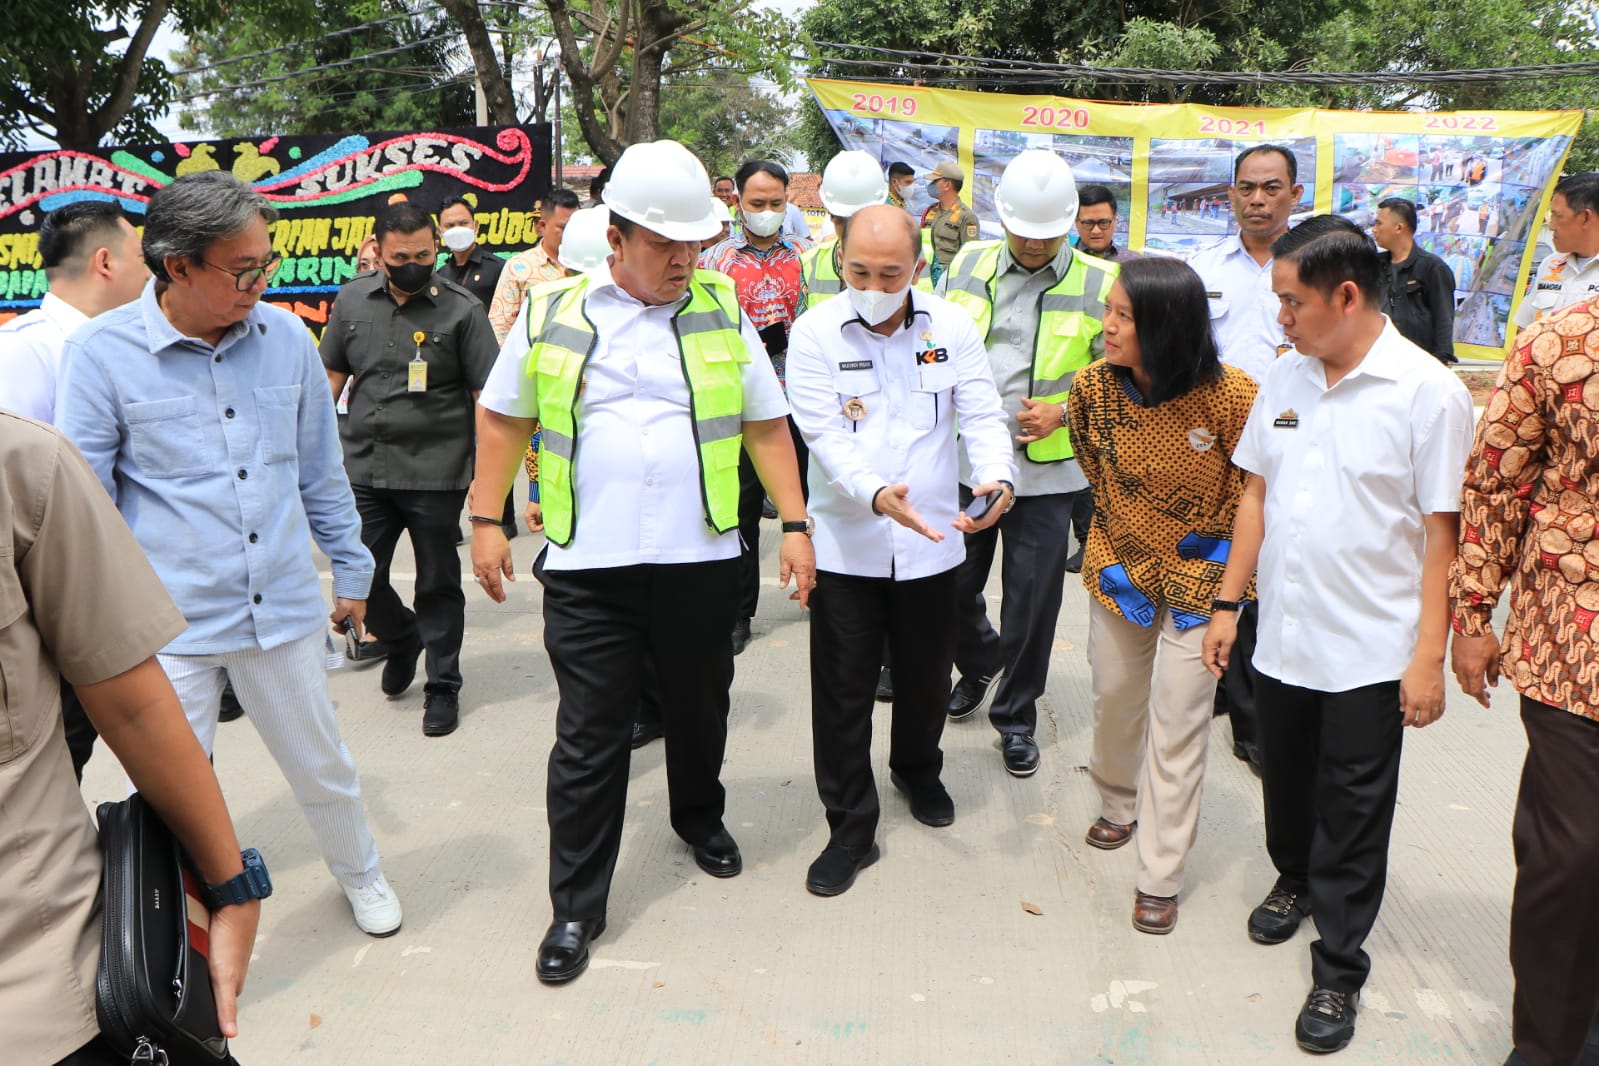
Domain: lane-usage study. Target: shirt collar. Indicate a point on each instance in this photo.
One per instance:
(1388, 358)
(1059, 265)
(63, 315)
(426, 292)
(602, 280)
(162, 334)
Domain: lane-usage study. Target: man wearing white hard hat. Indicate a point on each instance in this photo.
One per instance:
(850, 181)
(1037, 304)
(648, 382)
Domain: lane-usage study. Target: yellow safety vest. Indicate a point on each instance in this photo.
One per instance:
(561, 339)
(819, 268)
(1068, 322)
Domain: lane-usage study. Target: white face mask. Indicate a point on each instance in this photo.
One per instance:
(875, 307)
(763, 223)
(459, 238)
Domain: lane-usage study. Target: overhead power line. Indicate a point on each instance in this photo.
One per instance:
(957, 64)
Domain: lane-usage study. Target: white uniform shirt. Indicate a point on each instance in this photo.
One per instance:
(1350, 472)
(636, 494)
(906, 435)
(30, 355)
(1562, 280)
(1243, 308)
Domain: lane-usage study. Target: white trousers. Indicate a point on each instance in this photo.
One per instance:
(284, 693)
(1153, 701)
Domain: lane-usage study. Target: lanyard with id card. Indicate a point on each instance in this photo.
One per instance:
(417, 381)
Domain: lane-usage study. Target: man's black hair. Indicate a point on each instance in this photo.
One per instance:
(76, 230)
(1286, 153)
(759, 166)
(1329, 250)
(402, 217)
(454, 201)
(1400, 208)
(1089, 195)
(899, 169)
(1581, 191)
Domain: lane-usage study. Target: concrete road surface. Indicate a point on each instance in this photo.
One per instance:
(1002, 939)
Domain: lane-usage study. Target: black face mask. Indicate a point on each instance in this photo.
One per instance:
(408, 277)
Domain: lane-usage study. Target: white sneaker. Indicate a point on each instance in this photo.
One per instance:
(377, 910)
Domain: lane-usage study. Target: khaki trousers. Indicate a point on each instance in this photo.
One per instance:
(1153, 701)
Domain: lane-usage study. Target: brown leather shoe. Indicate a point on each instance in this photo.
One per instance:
(1108, 836)
(1154, 914)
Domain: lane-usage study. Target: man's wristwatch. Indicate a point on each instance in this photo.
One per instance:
(253, 883)
(807, 527)
(1224, 605)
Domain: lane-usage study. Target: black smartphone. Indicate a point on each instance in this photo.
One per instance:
(981, 505)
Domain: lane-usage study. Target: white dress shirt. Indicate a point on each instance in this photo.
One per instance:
(1350, 473)
(906, 435)
(636, 493)
(1243, 307)
(1561, 280)
(30, 356)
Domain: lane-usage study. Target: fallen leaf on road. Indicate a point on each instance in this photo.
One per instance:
(660, 984)
(316, 1020)
(1032, 908)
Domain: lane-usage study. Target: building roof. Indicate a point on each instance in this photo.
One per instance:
(805, 191)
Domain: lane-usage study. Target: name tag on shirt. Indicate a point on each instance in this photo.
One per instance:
(417, 380)
(856, 364)
(1287, 420)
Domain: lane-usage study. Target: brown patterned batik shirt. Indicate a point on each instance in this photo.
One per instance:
(1165, 490)
(1528, 510)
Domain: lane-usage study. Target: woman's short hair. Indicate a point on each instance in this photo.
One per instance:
(1172, 316)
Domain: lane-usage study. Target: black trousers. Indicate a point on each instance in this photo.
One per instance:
(849, 618)
(1554, 927)
(1330, 776)
(81, 733)
(1037, 533)
(1237, 693)
(432, 520)
(649, 695)
(751, 493)
(600, 628)
(1082, 514)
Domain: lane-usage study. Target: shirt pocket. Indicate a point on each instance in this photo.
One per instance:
(1217, 306)
(932, 390)
(18, 645)
(857, 387)
(164, 437)
(278, 407)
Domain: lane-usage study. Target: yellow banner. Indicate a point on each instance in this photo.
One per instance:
(1480, 180)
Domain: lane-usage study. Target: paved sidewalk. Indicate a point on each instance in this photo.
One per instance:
(934, 957)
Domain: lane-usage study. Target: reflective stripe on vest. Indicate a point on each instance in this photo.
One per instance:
(1069, 316)
(561, 339)
(820, 271)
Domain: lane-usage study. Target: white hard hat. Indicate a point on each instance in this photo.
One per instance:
(661, 186)
(1037, 195)
(584, 244)
(851, 181)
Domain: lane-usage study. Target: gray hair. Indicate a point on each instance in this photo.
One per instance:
(195, 211)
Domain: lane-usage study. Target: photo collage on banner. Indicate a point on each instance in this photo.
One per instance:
(1477, 199)
(327, 190)
(1480, 180)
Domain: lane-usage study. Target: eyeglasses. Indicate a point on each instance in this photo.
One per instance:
(1097, 223)
(247, 278)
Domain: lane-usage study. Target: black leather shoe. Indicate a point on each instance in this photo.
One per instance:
(835, 868)
(971, 694)
(1326, 1021)
(1021, 754)
(644, 732)
(930, 803)
(564, 951)
(741, 636)
(231, 710)
(719, 855)
(1074, 561)
(885, 686)
(365, 652)
(400, 670)
(441, 714)
(1249, 753)
(1278, 916)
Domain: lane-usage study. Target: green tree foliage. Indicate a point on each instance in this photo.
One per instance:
(1229, 35)
(725, 120)
(80, 72)
(382, 68)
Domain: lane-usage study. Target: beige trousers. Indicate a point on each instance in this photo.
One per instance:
(1153, 701)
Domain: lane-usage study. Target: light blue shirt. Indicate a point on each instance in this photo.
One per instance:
(225, 462)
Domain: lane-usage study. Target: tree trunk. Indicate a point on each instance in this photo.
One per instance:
(496, 88)
(658, 26)
(609, 38)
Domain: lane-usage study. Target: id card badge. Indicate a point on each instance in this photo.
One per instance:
(417, 380)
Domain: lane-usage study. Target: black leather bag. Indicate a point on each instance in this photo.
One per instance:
(153, 991)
